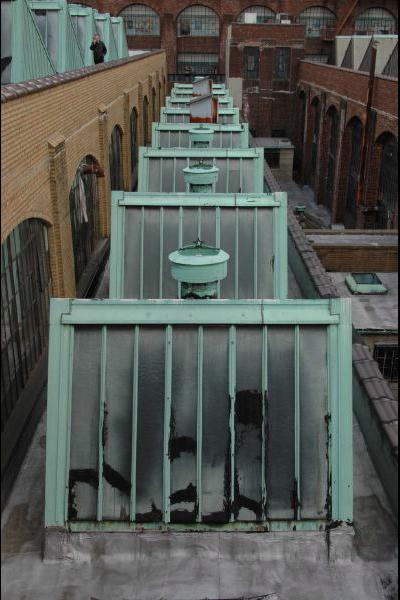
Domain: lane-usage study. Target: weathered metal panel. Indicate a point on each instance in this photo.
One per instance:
(146, 228)
(173, 135)
(198, 413)
(182, 115)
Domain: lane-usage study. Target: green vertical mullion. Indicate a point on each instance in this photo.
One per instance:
(297, 415)
(236, 253)
(199, 222)
(218, 239)
(280, 274)
(174, 176)
(135, 380)
(180, 241)
(264, 391)
(199, 422)
(103, 377)
(255, 253)
(141, 255)
(121, 244)
(232, 395)
(161, 252)
(167, 423)
(69, 369)
(333, 387)
(241, 175)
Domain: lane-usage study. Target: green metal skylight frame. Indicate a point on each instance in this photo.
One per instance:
(246, 183)
(365, 283)
(269, 256)
(182, 115)
(238, 135)
(333, 316)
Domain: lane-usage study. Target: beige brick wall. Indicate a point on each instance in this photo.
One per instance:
(45, 135)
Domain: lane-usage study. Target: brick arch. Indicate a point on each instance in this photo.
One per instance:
(331, 6)
(364, 9)
(251, 5)
(73, 167)
(206, 4)
(33, 213)
(384, 136)
(149, 3)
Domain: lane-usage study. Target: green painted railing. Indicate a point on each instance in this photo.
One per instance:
(182, 115)
(199, 414)
(147, 227)
(240, 170)
(176, 135)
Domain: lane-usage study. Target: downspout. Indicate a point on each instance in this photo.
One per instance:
(363, 166)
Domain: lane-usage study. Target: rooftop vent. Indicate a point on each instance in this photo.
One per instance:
(201, 177)
(365, 283)
(199, 268)
(201, 136)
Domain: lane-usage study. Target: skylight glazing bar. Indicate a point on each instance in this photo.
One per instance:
(236, 253)
(167, 423)
(199, 423)
(161, 252)
(218, 238)
(199, 222)
(264, 429)
(232, 397)
(227, 174)
(141, 255)
(297, 486)
(255, 252)
(101, 437)
(180, 242)
(132, 513)
(161, 174)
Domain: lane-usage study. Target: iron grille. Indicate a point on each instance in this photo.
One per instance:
(140, 20)
(25, 293)
(375, 20)
(84, 211)
(198, 21)
(197, 64)
(115, 158)
(387, 357)
(264, 15)
(317, 19)
(251, 60)
(282, 63)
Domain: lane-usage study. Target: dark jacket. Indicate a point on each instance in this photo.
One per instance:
(99, 51)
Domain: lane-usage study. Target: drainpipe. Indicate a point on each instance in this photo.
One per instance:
(363, 166)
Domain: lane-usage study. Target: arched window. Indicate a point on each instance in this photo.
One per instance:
(154, 103)
(375, 20)
(134, 148)
(146, 140)
(25, 293)
(140, 20)
(115, 157)
(316, 20)
(84, 213)
(387, 214)
(262, 15)
(198, 20)
(333, 132)
(315, 107)
(356, 128)
(300, 129)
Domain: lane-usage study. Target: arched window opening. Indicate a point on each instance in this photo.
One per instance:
(154, 104)
(115, 157)
(315, 107)
(134, 148)
(354, 172)
(197, 21)
(387, 214)
(300, 129)
(375, 20)
(25, 294)
(257, 14)
(146, 137)
(333, 132)
(317, 19)
(140, 20)
(84, 213)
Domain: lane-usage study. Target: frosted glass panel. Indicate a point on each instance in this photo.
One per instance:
(150, 425)
(83, 474)
(118, 424)
(216, 474)
(133, 220)
(151, 253)
(280, 422)
(170, 244)
(228, 217)
(183, 433)
(246, 253)
(265, 252)
(248, 424)
(313, 428)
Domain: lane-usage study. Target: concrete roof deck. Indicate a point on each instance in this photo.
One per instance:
(372, 312)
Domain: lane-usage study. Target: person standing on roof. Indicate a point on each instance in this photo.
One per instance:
(99, 49)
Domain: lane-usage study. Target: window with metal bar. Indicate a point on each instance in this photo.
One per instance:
(262, 15)
(375, 20)
(315, 139)
(140, 20)
(387, 205)
(317, 20)
(115, 158)
(318, 58)
(197, 64)
(25, 293)
(332, 152)
(355, 165)
(251, 62)
(282, 63)
(134, 148)
(146, 140)
(387, 357)
(198, 20)
(84, 214)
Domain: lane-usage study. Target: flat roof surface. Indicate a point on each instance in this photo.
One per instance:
(362, 239)
(372, 311)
